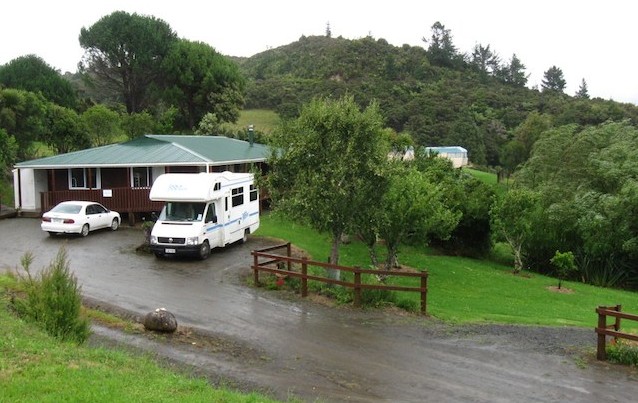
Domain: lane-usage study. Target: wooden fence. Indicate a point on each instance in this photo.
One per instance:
(282, 265)
(603, 329)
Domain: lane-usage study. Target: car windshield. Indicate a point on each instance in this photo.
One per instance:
(182, 211)
(67, 208)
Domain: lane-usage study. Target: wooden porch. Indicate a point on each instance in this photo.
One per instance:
(124, 200)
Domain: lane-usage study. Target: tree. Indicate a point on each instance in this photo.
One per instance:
(324, 162)
(123, 54)
(22, 115)
(65, 130)
(484, 60)
(441, 51)
(8, 151)
(31, 73)
(553, 80)
(137, 124)
(199, 80)
(412, 206)
(512, 218)
(564, 264)
(582, 92)
(514, 72)
(103, 125)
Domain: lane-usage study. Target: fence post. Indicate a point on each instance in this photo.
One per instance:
(424, 292)
(255, 269)
(601, 352)
(304, 277)
(289, 253)
(357, 286)
(617, 322)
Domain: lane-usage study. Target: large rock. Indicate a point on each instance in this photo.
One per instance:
(160, 320)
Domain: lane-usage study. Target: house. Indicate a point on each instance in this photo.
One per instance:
(120, 175)
(456, 154)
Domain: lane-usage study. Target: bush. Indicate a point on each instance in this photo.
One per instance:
(52, 299)
(623, 353)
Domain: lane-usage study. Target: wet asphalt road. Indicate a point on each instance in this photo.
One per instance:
(309, 350)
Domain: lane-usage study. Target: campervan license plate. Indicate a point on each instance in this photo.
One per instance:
(169, 250)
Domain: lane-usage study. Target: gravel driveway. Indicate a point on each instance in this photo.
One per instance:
(290, 347)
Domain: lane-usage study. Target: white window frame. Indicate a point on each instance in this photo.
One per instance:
(85, 172)
(149, 177)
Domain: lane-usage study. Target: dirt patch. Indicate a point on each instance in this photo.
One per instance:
(561, 290)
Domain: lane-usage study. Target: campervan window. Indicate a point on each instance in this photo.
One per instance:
(210, 213)
(238, 196)
(253, 193)
(182, 211)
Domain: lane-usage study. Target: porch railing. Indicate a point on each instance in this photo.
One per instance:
(123, 200)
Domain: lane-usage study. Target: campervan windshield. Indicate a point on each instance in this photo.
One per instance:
(182, 211)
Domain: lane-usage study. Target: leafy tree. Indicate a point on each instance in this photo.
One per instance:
(8, 151)
(553, 80)
(200, 80)
(123, 54)
(324, 164)
(137, 124)
(22, 115)
(582, 92)
(529, 131)
(208, 125)
(441, 50)
(103, 125)
(31, 73)
(413, 206)
(65, 130)
(512, 218)
(564, 264)
(514, 72)
(484, 60)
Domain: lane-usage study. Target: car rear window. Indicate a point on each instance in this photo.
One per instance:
(67, 208)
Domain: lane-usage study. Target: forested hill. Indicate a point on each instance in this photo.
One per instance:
(436, 94)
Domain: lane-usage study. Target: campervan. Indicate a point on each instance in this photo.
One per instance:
(203, 211)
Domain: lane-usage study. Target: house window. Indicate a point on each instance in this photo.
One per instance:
(238, 196)
(84, 178)
(253, 193)
(142, 177)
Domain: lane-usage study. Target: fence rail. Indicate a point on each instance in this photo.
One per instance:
(603, 329)
(277, 260)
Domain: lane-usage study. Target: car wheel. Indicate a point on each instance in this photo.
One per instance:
(85, 230)
(204, 250)
(245, 238)
(115, 224)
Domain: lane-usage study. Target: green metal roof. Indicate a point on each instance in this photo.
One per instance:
(158, 150)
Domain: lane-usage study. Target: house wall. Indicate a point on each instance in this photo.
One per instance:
(32, 183)
(114, 178)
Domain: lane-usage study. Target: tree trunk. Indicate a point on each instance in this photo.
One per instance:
(334, 258)
(518, 259)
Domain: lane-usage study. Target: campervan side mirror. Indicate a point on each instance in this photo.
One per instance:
(214, 219)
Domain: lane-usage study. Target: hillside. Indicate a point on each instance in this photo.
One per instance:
(436, 104)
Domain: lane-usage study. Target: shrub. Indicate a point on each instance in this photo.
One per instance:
(623, 353)
(52, 299)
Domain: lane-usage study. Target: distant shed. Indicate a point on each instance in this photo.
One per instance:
(458, 155)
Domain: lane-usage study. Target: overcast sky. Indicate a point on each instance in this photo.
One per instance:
(594, 40)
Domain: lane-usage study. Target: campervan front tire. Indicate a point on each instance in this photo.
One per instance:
(204, 250)
(245, 238)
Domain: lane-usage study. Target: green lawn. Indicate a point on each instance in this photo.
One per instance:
(264, 120)
(463, 290)
(489, 178)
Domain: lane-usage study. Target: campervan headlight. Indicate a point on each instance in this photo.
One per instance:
(153, 240)
(192, 241)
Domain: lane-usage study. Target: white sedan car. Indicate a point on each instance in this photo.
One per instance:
(79, 217)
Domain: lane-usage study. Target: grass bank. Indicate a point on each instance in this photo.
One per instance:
(463, 290)
(35, 367)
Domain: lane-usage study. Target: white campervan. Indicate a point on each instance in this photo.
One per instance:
(203, 211)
